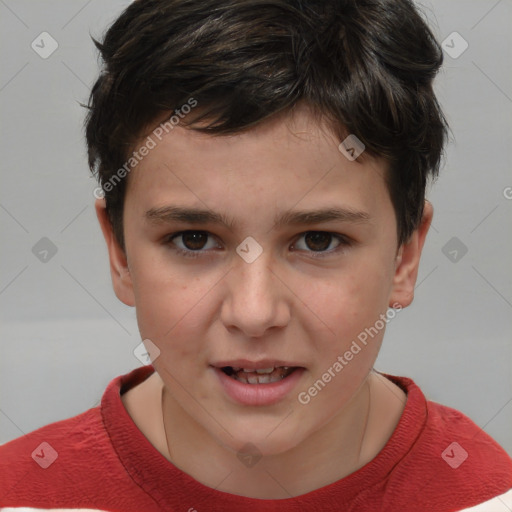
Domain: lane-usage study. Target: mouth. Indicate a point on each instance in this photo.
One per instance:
(258, 383)
(259, 376)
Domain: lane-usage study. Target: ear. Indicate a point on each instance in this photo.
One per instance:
(408, 261)
(119, 271)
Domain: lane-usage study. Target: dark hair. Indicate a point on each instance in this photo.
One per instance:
(365, 66)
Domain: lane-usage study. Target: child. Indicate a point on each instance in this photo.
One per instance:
(230, 138)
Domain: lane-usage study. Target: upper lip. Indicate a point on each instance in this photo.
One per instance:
(254, 365)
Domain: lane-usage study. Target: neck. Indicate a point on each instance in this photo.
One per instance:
(334, 451)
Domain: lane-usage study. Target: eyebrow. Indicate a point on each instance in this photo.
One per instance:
(169, 214)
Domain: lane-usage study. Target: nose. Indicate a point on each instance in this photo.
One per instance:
(256, 300)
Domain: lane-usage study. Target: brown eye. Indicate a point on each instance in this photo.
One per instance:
(190, 242)
(194, 240)
(318, 240)
(322, 243)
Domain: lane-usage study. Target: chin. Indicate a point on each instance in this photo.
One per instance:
(263, 439)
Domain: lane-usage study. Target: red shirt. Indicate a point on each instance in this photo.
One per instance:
(436, 460)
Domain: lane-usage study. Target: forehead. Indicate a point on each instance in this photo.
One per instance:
(288, 160)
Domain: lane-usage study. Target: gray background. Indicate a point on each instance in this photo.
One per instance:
(65, 335)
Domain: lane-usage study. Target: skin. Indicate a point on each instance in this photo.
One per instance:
(285, 305)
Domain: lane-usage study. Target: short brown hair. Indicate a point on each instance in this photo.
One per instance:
(366, 66)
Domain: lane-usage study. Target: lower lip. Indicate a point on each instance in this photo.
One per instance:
(258, 394)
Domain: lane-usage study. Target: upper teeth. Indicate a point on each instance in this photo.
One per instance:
(263, 370)
(260, 370)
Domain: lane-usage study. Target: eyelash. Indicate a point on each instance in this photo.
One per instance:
(344, 242)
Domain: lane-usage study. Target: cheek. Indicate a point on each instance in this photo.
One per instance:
(350, 306)
(353, 310)
(165, 299)
(359, 296)
(172, 307)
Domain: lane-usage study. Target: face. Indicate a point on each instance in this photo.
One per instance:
(262, 250)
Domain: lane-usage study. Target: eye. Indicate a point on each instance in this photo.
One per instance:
(191, 243)
(318, 243)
